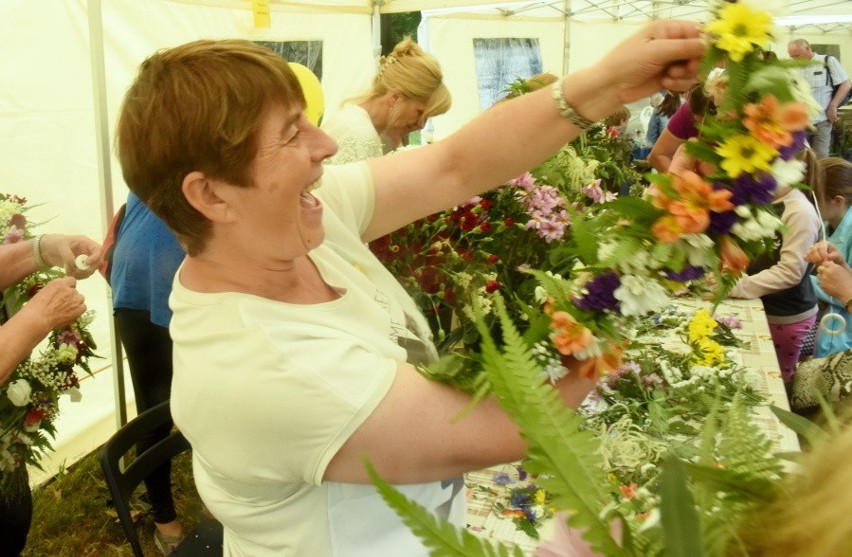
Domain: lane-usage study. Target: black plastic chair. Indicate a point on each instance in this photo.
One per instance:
(206, 538)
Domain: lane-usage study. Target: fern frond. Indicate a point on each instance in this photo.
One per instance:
(558, 446)
(442, 538)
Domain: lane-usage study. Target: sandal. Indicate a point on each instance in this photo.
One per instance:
(166, 544)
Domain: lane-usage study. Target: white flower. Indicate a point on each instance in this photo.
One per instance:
(639, 264)
(593, 350)
(801, 91)
(698, 248)
(743, 212)
(66, 353)
(19, 392)
(763, 224)
(555, 371)
(787, 172)
(769, 222)
(639, 296)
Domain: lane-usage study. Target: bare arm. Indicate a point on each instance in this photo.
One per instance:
(664, 150)
(513, 137)
(834, 104)
(413, 435)
(55, 305)
(16, 262)
(59, 250)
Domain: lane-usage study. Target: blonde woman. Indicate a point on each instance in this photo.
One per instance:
(407, 90)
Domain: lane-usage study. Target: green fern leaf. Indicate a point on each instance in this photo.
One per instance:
(558, 446)
(442, 538)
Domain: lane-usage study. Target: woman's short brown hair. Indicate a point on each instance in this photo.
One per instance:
(198, 107)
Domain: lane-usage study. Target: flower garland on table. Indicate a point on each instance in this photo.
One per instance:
(29, 401)
(622, 261)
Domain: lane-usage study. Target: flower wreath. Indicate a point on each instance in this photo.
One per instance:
(630, 255)
(29, 401)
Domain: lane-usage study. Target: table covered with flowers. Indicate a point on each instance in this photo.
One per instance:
(505, 503)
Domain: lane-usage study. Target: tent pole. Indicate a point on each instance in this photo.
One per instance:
(377, 29)
(566, 39)
(96, 53)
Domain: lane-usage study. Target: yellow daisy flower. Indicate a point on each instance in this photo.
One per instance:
(740, 29)
(743, 153)
(702, 325)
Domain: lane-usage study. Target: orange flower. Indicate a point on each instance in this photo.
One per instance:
(666, 229)
(734, 258)
(772, 124)
(593, 368)
(569, 336)
(629, 490)
(690, 213)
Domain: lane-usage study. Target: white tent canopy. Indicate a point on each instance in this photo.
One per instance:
(65, 65)
(573, 34)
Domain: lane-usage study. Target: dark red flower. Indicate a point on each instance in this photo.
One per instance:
(19, 221)
(34, 416)
(493, 286)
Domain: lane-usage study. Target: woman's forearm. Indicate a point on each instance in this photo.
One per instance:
(18, 337)
(16, 261)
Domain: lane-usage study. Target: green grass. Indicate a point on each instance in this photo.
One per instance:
(72, 516)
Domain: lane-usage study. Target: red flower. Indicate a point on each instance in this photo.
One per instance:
(492, 258)
(493, 286)
(19, 221)
(34, 417)
(509, 221)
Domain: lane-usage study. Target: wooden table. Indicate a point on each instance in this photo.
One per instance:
(758, 354)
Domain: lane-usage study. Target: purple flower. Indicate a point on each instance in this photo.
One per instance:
(690, 272)
(521, 499)
(758, 189)
(600, 293)
(502, 479)
(787, 153)
(730, 321)
(68, 337)
(721, 223)
(651, 380)
(522, 472)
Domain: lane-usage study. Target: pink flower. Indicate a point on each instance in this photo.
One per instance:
(525, 181)
(14, 234)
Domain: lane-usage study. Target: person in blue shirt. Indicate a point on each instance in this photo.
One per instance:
(834, 199)
(660, 117)
(146, 257)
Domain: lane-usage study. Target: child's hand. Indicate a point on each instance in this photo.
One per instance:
(824, 251)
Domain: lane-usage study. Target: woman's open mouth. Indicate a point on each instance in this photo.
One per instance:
(308, 200)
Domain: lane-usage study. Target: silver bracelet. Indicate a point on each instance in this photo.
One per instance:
(566, 110)
(37, 255)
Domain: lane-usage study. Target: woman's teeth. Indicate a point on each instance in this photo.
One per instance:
(309, 200)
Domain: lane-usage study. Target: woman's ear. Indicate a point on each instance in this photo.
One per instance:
(203, 194)
(395, 95)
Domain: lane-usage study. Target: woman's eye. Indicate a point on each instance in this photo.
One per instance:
(292, 137)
